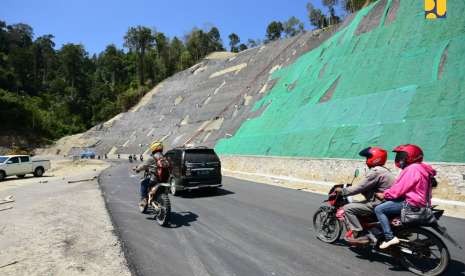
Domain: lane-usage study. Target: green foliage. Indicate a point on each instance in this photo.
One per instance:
(138, 40)
(316, 16)
(293, 26)
(233, 42)
(355, 5)
(52, 93)
(274, 31)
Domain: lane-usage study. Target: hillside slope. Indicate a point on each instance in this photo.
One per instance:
(387, 78)
(198, 106)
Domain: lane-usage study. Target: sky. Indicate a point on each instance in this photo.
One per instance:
(98, 23)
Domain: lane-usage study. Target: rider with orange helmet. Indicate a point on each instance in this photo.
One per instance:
(378, 179)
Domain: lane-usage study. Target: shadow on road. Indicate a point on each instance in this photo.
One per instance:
(182, 219)
(12, 178)
(456, 268)
(179, 219)
(367, 254)
(205, 193)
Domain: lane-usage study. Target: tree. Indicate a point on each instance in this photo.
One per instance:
(72, 58)
(176, 50)
(242, 47)
(186, 60)
(44, 58)
(110, 66)
(139, 39)
(234, 40)
(293, 26)
(215, 40)
(274, 30)
(352, 6)
(20, 35)
(332, 17)
(316, 16)
(197, 44)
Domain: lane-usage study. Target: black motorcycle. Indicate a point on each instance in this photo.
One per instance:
(158, 201)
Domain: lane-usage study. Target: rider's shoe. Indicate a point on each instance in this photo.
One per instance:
(386, 244)
(358, 241)
(143, 205)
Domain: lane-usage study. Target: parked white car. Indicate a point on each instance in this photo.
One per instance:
(20, 165)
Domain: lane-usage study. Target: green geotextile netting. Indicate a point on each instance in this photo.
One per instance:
(389, 89)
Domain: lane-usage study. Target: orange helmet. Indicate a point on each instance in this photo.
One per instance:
(375, 156)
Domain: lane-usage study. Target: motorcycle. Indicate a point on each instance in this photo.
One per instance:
(420, 250)
(158, 201)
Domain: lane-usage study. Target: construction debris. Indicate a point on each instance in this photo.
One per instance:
(7, 199)
(82, 180)
(8, 264)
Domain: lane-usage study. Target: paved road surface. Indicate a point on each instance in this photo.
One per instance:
(246, 229)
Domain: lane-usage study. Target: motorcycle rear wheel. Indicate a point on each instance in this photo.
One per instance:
(429, 255)
(326, 226)
(164, 214)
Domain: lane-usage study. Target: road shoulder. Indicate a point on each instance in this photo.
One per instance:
(58, 225)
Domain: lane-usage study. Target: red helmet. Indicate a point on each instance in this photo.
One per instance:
(407, 154)
(375, 156)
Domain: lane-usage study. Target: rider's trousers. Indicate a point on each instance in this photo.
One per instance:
(352, 210)
(145, 185)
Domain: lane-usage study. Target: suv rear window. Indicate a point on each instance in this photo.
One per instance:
(200, 155)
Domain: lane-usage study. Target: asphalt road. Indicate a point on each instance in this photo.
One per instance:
(246, 229)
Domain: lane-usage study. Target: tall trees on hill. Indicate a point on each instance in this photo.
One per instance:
(53, 92)
(138, 40)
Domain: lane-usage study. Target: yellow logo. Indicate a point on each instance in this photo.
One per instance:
(435, 9)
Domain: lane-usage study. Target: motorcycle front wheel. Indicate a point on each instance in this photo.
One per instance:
(163, 215)
(423, 252)
(326, 226)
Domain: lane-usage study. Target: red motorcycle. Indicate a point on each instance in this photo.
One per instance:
(420, 250)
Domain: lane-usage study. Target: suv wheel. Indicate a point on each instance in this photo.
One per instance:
(2, 175)
(173, 189)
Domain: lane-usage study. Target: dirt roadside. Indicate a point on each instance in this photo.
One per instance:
(58, 228)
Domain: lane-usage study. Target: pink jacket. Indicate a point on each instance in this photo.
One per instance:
(411, 184)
